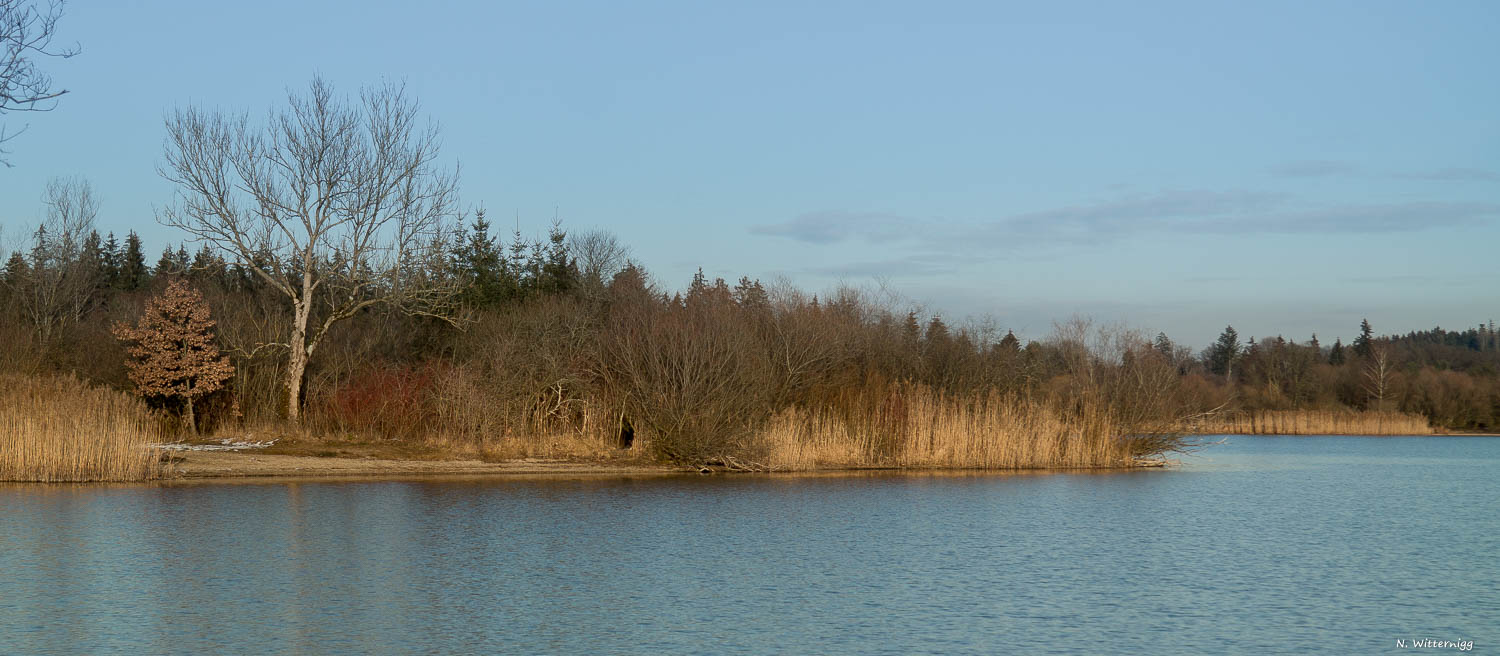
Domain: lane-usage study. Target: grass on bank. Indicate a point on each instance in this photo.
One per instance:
(58, 428)
(1314, 422)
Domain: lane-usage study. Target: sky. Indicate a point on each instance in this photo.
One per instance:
(1282, 167)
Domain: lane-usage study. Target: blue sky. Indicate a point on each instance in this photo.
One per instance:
(1282, 167)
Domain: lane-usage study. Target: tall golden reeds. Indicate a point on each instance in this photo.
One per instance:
(58, 428)
(917, 427)
(1314, 422)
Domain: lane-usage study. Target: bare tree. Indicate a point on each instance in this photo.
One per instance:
(1378, 373)
(600, 255)
(26, 32)
(339, 205)
(53, 290)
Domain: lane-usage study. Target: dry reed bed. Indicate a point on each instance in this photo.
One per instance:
(1315, 422)
(58, 428)
(919, 428)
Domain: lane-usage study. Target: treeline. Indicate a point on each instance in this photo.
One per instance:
(564, 340)
(1452, 378)
(564, 343)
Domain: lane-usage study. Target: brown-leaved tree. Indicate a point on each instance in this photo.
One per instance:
(174, 355)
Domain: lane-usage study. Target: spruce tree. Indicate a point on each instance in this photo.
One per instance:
(559, 275)
(133, 272)
(698, 289)
(16, 269)
(1163, 344)
(208, 266)
(167, 264)
(1336, 354)
(1362, 343)
(749, 294)
(911, 329)
(110, 267)
(1009, 343)
(480, 262)
(94, 261)
(1222, 355)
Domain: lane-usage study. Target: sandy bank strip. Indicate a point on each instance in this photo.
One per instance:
(199, 465)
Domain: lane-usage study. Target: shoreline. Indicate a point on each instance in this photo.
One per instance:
(250, 465)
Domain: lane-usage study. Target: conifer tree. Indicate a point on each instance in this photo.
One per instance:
(519, 264)
(1362, 343)
(911, 329)
(174, 355)
(168, 264)
(558, 273)
(1010, 344)
(937, 336)
(133, 272)
(1336, 354)
(207, 265)
(1163, 344)
(749, 294)
(480, 263)
(16, 269)
(1222, 355)
(698, 288)
(93, 259)
(109, 270)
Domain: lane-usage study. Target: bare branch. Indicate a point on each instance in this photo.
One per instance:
(27, 32)
(339, 205)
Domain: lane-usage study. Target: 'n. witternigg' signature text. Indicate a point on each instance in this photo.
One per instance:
(1429, 643)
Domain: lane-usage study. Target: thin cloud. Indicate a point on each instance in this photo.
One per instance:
(944, 246)
(1455, 175)
(922, 265)
(1314, 168)
(1113, 219)
(1420, 280)
(1228, 213)
(1367, 219)
(830, 227)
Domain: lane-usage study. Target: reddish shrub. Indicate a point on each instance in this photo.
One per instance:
(391, 401)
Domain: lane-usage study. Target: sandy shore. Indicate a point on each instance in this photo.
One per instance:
(231, 464)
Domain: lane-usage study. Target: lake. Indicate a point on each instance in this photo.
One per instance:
(1259, 545)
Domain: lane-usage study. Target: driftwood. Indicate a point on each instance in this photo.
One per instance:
(730, 463)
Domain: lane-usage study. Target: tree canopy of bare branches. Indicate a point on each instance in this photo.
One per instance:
(338, 204)
(599, 255)
(26, 32)
(52, 287)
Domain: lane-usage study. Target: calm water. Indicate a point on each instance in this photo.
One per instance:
(1264, 545)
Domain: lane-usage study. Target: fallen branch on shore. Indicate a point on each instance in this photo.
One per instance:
(223, 445)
